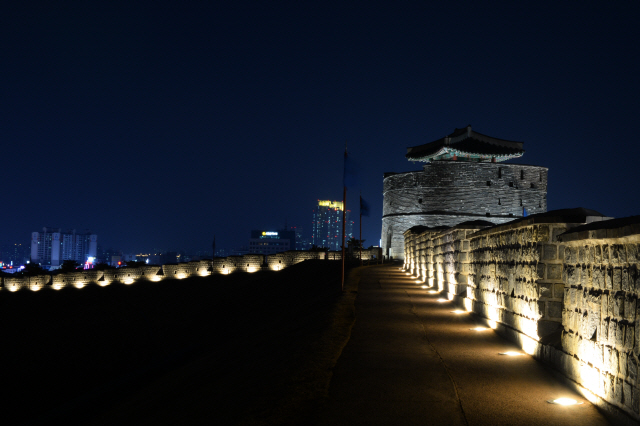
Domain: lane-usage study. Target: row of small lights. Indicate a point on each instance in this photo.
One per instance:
(557, 401)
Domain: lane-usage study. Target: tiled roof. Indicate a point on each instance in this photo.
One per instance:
(466, 143)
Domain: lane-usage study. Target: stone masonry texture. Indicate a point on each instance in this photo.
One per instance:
(446, 193)
(572, 288)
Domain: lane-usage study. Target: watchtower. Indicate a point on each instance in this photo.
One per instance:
(464, 179)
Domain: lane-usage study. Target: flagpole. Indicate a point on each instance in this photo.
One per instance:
(360, 228)
(344, 209)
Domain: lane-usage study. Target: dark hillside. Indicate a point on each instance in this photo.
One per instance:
(71, 355)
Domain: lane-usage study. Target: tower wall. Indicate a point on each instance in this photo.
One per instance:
(446, 193)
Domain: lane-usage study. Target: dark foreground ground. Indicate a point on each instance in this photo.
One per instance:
(239, 349)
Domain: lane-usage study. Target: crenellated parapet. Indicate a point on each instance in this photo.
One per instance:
(247, 263)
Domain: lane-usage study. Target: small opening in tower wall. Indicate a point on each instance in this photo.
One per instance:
(419, 200)
(540, 176)
(510, 183)
(488, 183)
(499, 203)
(521, 174)
(499, 172)
(488, 214)
(521, 201)
(533, 185)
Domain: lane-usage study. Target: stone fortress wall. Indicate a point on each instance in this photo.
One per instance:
(129, 275)
(446, 193)
(564, 290)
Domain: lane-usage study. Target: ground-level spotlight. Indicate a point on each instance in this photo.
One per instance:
(511, 353)
(432, 292)
(423, 286)
(458, 312)
(564, 401)
(443, 300)
(480, 328)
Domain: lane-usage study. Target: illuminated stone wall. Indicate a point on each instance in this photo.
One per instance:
(248, 263)
(508, 281)
(566, 291)
(446, 193)
(601, 322)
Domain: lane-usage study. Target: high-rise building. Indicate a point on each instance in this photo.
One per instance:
(53, 246)
(271, 242)
(302, 243)
(327, 225)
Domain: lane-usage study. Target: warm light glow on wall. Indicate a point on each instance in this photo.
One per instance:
(156, 278)
(181, 275)
(79, 284)
(57, 286)
(13, 288)
(252, 269)
(104, 283)
(128, 281)
(468, 304)
(529, 345)
(35, 287)
(590, 380)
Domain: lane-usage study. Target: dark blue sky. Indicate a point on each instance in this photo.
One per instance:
(159, 125)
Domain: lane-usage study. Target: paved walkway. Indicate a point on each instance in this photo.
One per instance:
(410, 361)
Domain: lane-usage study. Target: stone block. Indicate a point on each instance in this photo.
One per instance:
(630, 309)
(617, 279)
(625, 279)
(632, 253)
(540, 271)
(635, 399)
(581, 255)
(605, 253)
(604, 332)
(615, 362)
(597, 279)
(611, 334)
(606, 358)
(550, 252)
(558, 291)
(608, 281)
(618, 306)
(626, 397)
(629, 338)
(620, 332)
(554, 309)
(597, 254)
(598, 355)
(554, 272)
(622, 364)
(573, 296)
(632, 369)
(545, 290)
(571, 278)
(592, 324)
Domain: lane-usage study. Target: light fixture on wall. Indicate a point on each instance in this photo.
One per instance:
(564, 401)
(511, 353)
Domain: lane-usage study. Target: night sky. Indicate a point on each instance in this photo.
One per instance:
(158, 125)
